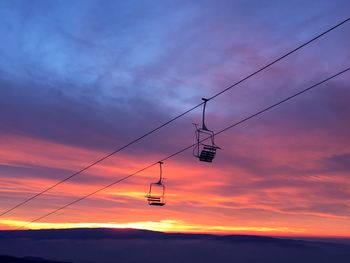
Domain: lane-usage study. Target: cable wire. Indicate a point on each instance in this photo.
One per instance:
(186, 148)
(173, 119)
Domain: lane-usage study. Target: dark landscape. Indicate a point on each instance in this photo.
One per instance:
(130, 245)
(9, 259)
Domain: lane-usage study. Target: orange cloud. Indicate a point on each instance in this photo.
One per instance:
(238, 193)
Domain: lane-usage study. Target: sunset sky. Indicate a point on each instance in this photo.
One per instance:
(79, 79)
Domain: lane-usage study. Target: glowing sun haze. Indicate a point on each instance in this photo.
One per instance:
(79, 79)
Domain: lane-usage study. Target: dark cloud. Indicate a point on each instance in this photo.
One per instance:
(106, 76)
(52, 115)
(31, 171)
(337, 209)
(337, 163)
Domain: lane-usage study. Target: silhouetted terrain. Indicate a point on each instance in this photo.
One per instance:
(9, 259)
(133, 246)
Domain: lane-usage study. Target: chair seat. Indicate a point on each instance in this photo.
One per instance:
(155, 200)
(157, 203)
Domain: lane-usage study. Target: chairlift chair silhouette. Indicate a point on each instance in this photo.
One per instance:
(156, 191)
(204, 152)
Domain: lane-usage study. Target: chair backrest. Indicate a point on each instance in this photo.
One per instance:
(153, 198)
(207, 154)
(157, 203)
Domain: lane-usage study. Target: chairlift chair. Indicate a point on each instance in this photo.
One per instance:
(156, 193)
(203, 151)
